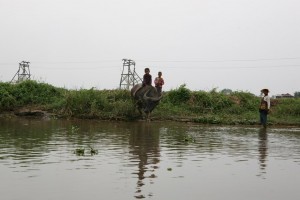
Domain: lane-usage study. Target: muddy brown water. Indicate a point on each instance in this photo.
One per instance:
(40, 159)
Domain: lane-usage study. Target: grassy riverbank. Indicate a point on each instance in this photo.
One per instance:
(180, 104)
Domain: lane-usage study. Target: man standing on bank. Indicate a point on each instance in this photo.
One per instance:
(159, 82)
(264, 107)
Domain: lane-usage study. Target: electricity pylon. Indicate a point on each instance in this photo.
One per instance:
(23, 73)
(129, 77)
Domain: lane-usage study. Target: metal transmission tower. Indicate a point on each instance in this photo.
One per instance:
(23, 72)
(129, 77)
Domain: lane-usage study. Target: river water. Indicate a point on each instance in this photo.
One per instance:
(75, 160)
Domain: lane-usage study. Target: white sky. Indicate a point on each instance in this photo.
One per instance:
(243, 45)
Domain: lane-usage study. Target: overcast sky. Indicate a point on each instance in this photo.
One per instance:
(243, 45)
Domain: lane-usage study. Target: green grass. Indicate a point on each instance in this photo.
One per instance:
(179, 104)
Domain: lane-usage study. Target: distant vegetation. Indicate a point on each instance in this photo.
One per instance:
(180, 104)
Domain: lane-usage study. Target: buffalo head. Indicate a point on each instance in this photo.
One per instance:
(146, 98)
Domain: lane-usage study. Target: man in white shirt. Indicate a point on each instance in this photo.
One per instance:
(264, 107)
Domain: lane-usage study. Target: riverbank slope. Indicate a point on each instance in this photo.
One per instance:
(31, 98)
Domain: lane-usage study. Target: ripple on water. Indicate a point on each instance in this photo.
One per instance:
(145, 161)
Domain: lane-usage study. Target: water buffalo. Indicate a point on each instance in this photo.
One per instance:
(146, 98)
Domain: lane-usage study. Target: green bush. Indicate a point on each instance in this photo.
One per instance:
(7, 101)
(247, 101)
(179, 96)
(199, 106)
(290, 107)
(202, 99)
(31, 92)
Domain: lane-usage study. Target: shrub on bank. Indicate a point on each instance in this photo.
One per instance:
(206, 107)
(178, 96)
(290, 107)
(27, 93)
(95, 103)
(7, 100)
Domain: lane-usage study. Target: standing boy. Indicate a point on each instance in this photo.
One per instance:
(159, 82)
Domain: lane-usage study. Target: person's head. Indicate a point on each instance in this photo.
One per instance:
(159, 74)
(265, 91)
(147, 70)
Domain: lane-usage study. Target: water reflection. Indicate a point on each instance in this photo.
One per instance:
(22, 141)
(144, 146)
(134, 157)
(263, 149)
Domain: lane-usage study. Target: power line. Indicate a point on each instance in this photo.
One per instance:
(76, 62)
(94, 66)
(163, 61)
(236, 60)
(187, 67)
(63, 62)
(228, 67)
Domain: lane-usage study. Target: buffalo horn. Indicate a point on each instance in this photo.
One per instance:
(151, 98)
